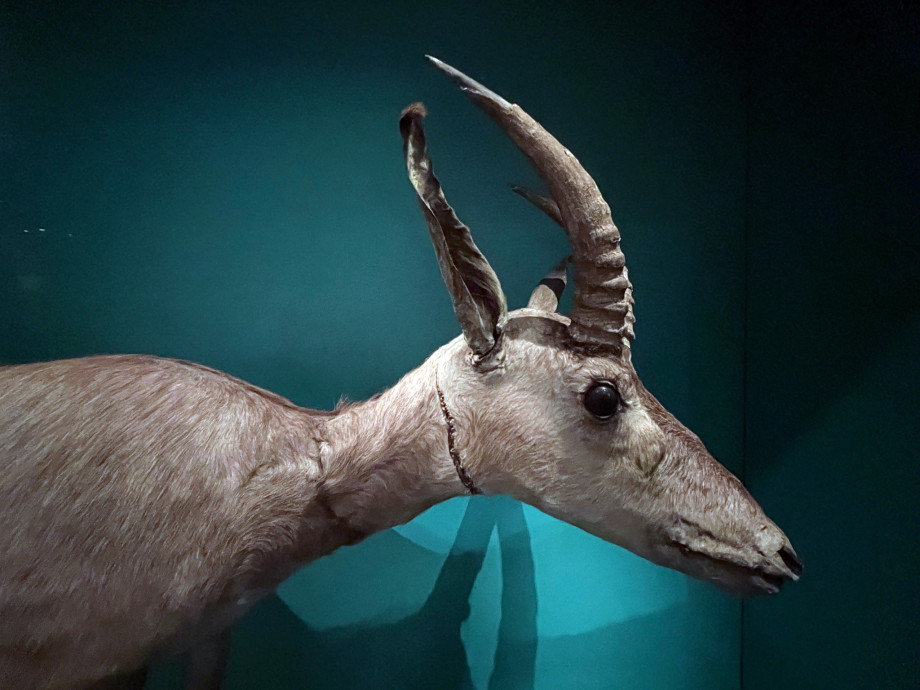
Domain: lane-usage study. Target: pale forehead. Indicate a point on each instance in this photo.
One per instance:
(540, 338)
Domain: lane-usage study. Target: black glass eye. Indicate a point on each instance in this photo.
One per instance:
(602, 400)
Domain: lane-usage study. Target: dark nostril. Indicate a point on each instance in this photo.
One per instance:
(787, 553)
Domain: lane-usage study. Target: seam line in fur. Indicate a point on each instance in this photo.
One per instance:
(451, 448)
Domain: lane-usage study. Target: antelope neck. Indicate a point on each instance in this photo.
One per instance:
(383, 459)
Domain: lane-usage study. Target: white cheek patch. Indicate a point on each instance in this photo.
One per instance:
(639, 440)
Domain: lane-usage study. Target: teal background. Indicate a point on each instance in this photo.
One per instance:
(223, 182)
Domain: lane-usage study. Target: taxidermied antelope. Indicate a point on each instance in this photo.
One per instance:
(146, 503)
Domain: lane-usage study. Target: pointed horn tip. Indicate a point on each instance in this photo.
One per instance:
(472, 88)
(525, 192)
(444, 67)
(545, 204)
(558, 273)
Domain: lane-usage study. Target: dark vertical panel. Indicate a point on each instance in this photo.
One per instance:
(834, 317)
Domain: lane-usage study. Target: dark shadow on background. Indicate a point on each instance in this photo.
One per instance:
(274, 648)
(833, 306)
(833, 212)
(516, 653)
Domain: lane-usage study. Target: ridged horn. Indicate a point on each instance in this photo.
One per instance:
(602, 309)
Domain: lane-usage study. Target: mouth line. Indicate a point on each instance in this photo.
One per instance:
(772, 578)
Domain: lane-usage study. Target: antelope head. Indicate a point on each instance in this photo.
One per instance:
(549, 409)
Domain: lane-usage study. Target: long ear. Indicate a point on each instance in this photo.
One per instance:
(474, 289)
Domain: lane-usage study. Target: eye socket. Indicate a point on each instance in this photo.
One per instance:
(602, 400)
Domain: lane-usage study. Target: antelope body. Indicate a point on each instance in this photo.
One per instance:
(146, 503)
